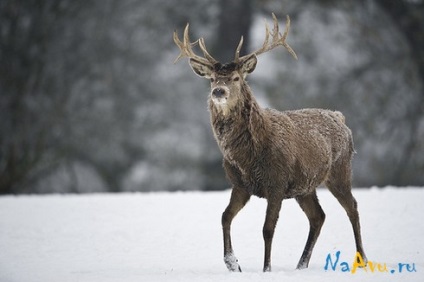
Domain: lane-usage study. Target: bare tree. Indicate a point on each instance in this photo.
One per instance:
(409, 17)
(235, 19)
(30, 106)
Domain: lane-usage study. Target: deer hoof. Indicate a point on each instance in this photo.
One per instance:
(267, 268)
(302, 265)
(231, 263)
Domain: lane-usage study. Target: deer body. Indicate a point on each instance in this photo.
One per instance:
(271, 154)
(291, 152)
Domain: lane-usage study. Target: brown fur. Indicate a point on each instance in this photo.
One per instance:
(292, 152)
(274, 155)
(280, 155)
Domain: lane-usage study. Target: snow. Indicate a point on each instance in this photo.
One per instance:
(177, 237)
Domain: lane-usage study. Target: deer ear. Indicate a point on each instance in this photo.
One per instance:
(249, 64)
(201, 69)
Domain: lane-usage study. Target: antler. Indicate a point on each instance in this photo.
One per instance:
(186, 49)
(278, 39)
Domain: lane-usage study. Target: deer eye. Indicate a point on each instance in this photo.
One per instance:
(212, 80)
(236, 78)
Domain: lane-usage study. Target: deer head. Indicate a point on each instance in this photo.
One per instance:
(228, 79)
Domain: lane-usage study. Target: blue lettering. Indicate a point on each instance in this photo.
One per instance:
(412, 269)
(345, 267)
(409, 268)
(329, 261)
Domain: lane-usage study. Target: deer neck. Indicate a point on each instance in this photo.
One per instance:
(242, 129)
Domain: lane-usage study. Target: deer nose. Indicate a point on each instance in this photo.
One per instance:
(218, 92)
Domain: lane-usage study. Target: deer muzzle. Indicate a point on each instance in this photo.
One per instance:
(220, 94)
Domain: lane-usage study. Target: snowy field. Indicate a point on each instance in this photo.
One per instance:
(177, 237)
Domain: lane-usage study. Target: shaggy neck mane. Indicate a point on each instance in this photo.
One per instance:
(242, 129)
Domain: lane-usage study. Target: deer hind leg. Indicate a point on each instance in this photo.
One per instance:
(339, 185)
(316, 216)
(238, 200)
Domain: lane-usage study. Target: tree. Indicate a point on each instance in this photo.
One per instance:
(30, 106)
(235, 20)
(408, 16)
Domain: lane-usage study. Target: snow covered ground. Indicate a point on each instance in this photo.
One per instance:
(177, 237)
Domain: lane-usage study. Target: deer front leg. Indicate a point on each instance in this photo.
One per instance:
(272, 212)
(239, 198)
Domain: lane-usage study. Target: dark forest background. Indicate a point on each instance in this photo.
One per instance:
(90, 100)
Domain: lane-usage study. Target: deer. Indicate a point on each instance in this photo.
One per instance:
(271, 154)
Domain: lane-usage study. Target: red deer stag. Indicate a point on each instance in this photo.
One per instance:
(271, 154)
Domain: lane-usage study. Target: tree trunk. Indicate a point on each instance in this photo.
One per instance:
(234, 21)
(409, 17)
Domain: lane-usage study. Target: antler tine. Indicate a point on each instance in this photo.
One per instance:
(276, 29)
(284, 36)
(205, 52)
(264, 46)
(237, 55)
(186, 48)
(180, 44)
(278, 39)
